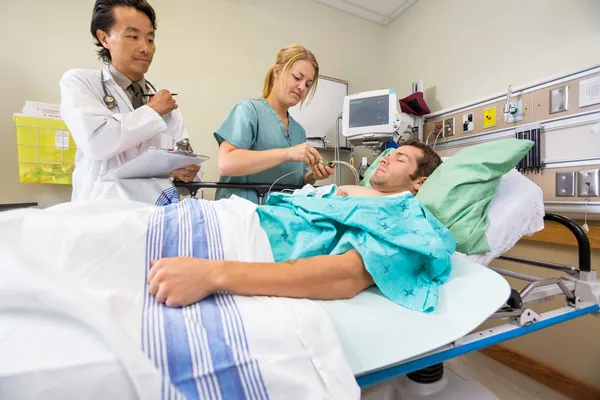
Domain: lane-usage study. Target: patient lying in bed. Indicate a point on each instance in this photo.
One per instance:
(91, 264)
(334, 248)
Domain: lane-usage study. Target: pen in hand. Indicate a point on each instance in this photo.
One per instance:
(152, 94)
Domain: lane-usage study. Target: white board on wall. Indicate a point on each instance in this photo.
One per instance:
(318, 117)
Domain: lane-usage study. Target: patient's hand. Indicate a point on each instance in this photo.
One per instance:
(358, 191)
(181, 281)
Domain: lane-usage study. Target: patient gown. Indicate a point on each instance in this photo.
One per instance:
(404, 247)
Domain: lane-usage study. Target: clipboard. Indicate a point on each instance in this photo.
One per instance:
(153, 163)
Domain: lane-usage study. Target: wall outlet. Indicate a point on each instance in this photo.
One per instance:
(515, 112)
(437, 127)
(588, 184)
(565, 184)
(559, 99)
(468, 122)
(448, 127)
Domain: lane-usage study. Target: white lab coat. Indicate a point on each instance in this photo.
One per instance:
(107, 138)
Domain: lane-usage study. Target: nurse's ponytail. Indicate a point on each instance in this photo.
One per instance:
(285, 58)
(268, 86)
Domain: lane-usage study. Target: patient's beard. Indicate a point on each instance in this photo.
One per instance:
(389, 185)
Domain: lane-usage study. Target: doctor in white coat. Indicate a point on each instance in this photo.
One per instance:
(114, 114)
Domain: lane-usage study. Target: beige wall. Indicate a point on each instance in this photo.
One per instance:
(469, 50)
(466, 50)
(213, 53)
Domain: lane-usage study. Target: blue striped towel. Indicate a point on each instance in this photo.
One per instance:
(202, 350)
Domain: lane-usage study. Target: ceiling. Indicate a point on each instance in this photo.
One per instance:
(381, 12)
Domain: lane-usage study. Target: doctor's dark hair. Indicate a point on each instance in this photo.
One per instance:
(427, 163)
(103, 19)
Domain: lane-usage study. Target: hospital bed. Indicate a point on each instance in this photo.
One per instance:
(386, 345)
(392, 346)
(473, 295)
(374, 364)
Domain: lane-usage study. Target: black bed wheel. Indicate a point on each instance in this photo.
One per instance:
(514, 300)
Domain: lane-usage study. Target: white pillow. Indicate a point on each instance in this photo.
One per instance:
(516, 210)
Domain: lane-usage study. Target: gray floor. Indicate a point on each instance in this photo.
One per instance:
(501, 380)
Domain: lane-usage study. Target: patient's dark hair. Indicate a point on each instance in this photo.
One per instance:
(427, 163)
(103, 18)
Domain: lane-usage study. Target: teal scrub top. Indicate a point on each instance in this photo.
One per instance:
(255, 125)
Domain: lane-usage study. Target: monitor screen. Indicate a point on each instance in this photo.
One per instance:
(369, 111)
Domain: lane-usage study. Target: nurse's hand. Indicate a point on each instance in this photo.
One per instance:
(162, 102)
(317, 173)
(304, 152)
(181, 281)
(186, 174)
(321, 172)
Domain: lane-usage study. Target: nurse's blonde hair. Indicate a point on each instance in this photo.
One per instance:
(285, 58)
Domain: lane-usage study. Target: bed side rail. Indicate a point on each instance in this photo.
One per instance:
(583, 246)
(14, 206)
(540, 290)
(260, 188)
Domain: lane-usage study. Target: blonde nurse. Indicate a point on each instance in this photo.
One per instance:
(259, 141)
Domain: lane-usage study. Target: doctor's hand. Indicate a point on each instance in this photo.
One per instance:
(186, 174)
(304, 152)
(181, 281)
(162, 102)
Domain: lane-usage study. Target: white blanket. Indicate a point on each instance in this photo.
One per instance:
(86, 263)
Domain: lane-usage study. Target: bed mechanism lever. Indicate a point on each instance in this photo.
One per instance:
(516, 309)
(571, 300)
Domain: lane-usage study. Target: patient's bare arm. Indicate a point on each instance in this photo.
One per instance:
(182, 281)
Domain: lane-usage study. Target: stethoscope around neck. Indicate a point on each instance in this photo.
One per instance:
(109, 99)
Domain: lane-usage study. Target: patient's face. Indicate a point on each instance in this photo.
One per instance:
(395, 169)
